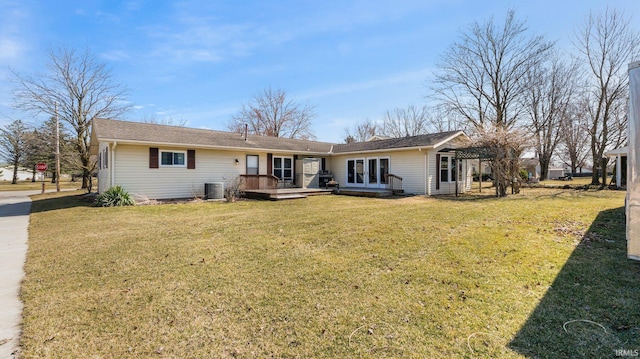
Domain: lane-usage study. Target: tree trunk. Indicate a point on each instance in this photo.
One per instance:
(544, 168)
(603, 163)
(594, 155)
(86, 177)
(15, 172)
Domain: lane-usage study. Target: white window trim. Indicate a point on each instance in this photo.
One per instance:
(273, 167)
(355, 174)
(459, 170)
(160, 151)
(246, 167)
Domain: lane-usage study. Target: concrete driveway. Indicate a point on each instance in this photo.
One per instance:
(15, 207)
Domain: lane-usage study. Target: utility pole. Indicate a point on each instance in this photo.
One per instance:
(57, 150)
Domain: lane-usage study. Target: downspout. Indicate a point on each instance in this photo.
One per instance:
(427, 188)
(112, 159)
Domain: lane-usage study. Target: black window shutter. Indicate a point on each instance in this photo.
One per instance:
(153, 157)
(270, 163)
(191, 159)
(437, 171)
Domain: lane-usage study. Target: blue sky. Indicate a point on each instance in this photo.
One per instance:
(199, 60)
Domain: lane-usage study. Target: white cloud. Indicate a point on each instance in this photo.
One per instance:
(12, 30)
(393, 79)
(10, 49)
(115, 55)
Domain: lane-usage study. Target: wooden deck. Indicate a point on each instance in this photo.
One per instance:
(285, 193)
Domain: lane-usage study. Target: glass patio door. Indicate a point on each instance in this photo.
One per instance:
(376, 172)
(372, 173)
(355, 171)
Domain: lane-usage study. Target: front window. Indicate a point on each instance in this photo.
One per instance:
(252, 164)
(444, 169)
(175, 158)
(283, 168)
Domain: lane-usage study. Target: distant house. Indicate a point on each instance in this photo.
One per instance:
(555, 172)
(532, 166)
(621, 165)
(159, 161)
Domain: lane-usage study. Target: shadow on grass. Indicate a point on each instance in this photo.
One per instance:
(523, 195)
(61, 202)
(591, 310)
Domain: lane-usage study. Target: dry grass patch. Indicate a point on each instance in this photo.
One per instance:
(29, 186)
(328, 276)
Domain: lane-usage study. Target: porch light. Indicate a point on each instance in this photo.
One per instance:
(237, 162)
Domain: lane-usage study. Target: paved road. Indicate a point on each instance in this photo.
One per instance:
(15, 207)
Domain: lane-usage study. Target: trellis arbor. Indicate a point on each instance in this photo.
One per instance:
(504, 163)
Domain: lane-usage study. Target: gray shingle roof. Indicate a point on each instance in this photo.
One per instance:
(125, 131)
(428, 140)
(138, 132)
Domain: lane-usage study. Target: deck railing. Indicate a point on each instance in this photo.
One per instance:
(394, 183)
(250, 182)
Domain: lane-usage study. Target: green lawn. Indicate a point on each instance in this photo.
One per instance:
(332, 277)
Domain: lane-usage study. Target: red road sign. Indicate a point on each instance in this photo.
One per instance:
(41, 167)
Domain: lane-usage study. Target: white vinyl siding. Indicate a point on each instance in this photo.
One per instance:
(132, 172)
(407, 164)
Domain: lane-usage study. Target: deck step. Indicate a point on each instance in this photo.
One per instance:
(364, 192)
(277, 197)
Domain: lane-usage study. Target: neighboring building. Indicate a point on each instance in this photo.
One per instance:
(159, 161)
(532, 166)
(621, 165)
(555, 172)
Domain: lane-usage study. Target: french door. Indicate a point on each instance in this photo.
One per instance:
(355, 171)
(370, 172)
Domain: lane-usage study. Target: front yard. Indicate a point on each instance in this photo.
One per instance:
(332, 277)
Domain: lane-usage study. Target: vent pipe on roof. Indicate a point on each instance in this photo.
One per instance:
(246, 131)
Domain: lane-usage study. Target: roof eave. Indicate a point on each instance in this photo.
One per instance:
(385, 150)
(454, 135)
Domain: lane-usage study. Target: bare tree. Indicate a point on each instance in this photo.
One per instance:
(483, 76)
(574, 137)
(271, 113)
(550, 89)
(506, 146)
(606, 44)
(77, 87)
(439, 119)
(13, 145)
(403, 122)
(168, 121)
(361, 131)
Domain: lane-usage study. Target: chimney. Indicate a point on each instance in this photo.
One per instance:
(246, 131)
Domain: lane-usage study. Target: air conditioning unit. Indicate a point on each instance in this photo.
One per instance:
(214, 190)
